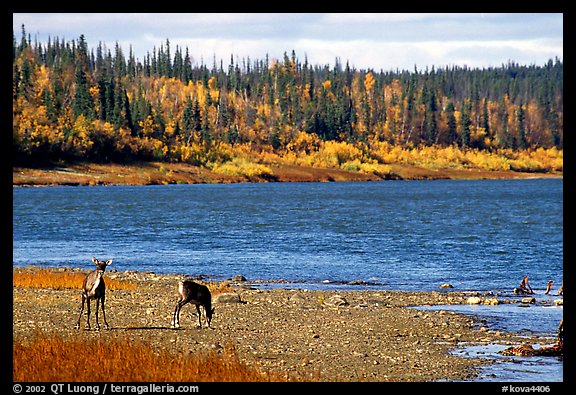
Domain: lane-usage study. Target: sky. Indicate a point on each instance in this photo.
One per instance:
(376, 41)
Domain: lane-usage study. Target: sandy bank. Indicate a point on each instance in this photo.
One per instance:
(153, 173)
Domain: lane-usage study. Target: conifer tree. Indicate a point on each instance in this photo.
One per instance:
(452, 136)
(82, 104)
(465, 124)
(522, 143)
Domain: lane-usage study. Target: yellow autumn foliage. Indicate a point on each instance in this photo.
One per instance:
(242, 168)
(435, 157)
(369, 82)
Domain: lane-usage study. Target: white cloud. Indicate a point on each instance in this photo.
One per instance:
(362, 18)
(370, 40)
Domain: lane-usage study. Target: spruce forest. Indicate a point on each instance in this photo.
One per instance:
(75, 103)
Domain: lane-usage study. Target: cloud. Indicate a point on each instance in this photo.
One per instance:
(366, 40)
(382, 18)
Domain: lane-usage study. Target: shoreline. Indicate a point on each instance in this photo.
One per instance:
(160, 173)
(351, 335)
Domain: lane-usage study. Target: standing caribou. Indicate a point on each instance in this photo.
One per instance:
(94, 288)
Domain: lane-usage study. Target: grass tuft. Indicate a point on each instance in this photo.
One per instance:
(219, 287)
(48, 278)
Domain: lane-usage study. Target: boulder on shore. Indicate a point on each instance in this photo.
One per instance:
(228, 297)
(335, 301)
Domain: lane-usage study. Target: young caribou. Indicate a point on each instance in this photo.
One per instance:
(94, 288)
(197, 294)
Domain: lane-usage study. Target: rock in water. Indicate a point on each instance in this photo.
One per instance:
(473, 300)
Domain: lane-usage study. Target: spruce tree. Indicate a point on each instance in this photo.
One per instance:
(522, 143)
(465, 124)
(188, 118)
(452, 136)
(82, 104)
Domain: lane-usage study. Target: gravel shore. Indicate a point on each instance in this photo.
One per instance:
(151, 173)
(368, 335)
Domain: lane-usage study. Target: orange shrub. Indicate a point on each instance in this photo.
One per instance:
(51, 358)
(46, 278)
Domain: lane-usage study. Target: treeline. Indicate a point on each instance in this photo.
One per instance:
(71, 102)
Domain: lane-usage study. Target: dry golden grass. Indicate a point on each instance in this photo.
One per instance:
(52, 358)
(219, 287)
(47, 278)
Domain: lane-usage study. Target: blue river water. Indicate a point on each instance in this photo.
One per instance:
(405, 235)
(401, 235)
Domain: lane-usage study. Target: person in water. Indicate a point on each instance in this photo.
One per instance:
(561, 290)
(524, 288)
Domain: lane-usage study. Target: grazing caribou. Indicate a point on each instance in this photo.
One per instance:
(197, 294)
(94, 288)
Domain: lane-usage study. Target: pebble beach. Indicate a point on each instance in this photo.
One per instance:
(366, 335)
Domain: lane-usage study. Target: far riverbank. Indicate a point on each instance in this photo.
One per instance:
(158, 173)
